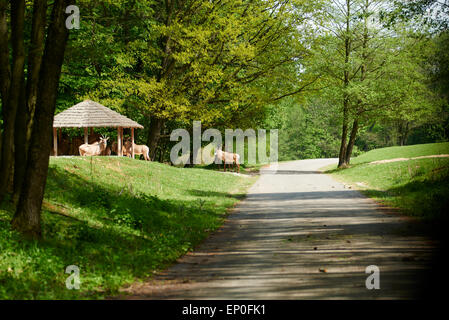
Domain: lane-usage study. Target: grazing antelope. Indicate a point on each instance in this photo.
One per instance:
(228, 158)
(114, 148)
(138, 149)
(70, 145)
(95, 149)
(107, 151)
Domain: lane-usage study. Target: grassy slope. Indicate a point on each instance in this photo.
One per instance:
(403, 152)
(419, 187)
(117, 219)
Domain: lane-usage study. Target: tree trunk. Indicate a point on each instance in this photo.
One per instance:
(403, 131)
(156, 124)
(27, 107)
(20, 143)
(154, 133)
(344, 134)
(355, 128)
(10, 107)
(5, 71)
(35, 60)
(363, 70)
(342, 155)
(27, 218)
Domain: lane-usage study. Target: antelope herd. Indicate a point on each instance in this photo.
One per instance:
(101, 148)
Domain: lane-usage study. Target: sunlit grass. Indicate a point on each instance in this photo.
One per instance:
(418, 187)
(403, 152)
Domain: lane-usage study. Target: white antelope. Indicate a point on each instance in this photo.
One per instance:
(95, 149)
(138, 149)
(228, 158)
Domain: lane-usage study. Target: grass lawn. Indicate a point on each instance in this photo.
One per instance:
(418, 187)
(118, 220)
(403, 152)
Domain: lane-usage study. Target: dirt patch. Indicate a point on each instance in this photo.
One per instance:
(406, 159)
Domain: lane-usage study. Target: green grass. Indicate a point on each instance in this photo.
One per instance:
(403, 152)
(118, 220)
(420, 187)
(244, 168)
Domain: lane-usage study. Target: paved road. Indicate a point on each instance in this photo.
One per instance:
(299, 235)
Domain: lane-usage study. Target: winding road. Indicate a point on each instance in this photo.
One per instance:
(300, 234)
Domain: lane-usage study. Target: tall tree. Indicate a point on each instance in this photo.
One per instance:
(12, 84)
(26, 107)
(27, 216)
(370, 68)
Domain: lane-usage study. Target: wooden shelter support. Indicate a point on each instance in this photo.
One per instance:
(132, 143)
(86, 135)
(119, 142)
(55, 142)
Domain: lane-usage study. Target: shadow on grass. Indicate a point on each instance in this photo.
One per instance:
(428, 199)
(112, 234)
(344, 168)
(244, 168)
(109, 201)
(201, 193)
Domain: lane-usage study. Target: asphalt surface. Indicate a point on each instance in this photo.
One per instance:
(300, 234)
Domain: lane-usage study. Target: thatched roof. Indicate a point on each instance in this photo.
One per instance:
(91, 114)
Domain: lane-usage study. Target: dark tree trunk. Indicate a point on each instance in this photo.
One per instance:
(20, 143)
(403, 133)
(344, 131)
(156, 125)
(5, 72)
(35, 58)
(344, 135)
(26, 108)
(355, 124)
(27, 218)
(341, 155)
(13, 96)
(355, 128)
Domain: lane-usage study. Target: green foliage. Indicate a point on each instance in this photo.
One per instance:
(122, 222)
(227, 64)
(431, 13)
(389, 78)
(218, 62)
(306, 130)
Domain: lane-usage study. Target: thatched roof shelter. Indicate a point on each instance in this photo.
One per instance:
(91, 114)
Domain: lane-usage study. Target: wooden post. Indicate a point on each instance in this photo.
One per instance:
(132, 142)
(121, 139)
(86, 135)
(119, 143)
(55, 142)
